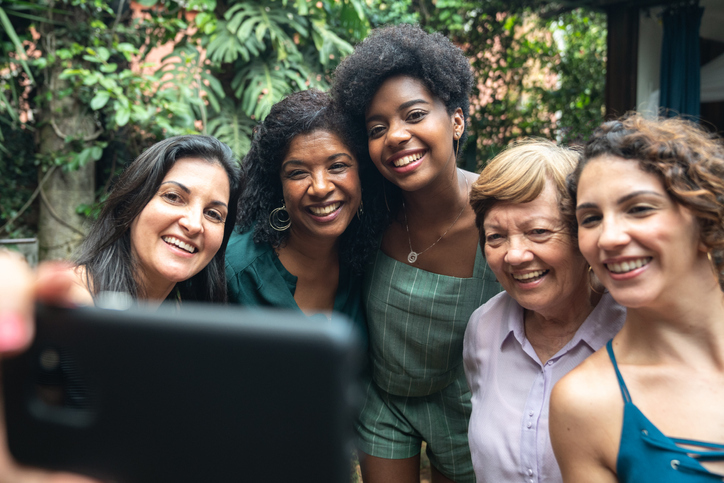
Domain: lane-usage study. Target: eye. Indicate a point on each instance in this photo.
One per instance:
(640, 209)
(295, 174)
(338, 166)
(416, 116)
(172, 197)
(375, 131)
(493, 238)
(588, 220)
(215, 215)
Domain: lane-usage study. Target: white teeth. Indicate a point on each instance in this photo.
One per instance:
(529, 275)
(324, 210)
(175, 241)
(405, 160)
(627, 266)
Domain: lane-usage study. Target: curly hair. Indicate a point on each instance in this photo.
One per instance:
(106, 253)
(401, 50)
(688, 160)
(519, 174)
(302, 113)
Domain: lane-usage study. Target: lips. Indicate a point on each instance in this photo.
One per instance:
(178, 243)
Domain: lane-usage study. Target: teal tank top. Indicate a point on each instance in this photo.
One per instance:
(647, 455)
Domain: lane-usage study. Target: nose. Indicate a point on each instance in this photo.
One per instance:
(397, 133)
(613, 234)
(192, 220)
(517, 253)
(321, 184)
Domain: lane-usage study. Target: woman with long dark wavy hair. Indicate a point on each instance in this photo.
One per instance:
(160, 236)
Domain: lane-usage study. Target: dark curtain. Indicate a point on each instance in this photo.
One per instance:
(680, 64)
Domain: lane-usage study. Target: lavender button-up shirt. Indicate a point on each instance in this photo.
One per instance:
(508, 431)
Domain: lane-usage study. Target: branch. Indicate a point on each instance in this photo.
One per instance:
(55, 215)
(59, 133)
(30, 200)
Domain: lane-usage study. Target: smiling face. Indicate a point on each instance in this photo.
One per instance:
(410, 133)
(180, 230)
(321, 185)
(533, 256)
(639, 241)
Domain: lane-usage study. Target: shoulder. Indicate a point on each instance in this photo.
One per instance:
(241, 252)
(586, 416)
(80, 292)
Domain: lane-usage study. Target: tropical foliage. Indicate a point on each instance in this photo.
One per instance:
(231, 60)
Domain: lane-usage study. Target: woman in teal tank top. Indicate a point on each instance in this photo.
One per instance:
(407, 92)
(649, 210)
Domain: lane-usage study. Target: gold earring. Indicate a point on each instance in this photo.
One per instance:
(590, 283)
(712, 262)
(457, 147)
(279, 218)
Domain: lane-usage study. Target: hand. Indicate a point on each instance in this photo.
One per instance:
(19, 288)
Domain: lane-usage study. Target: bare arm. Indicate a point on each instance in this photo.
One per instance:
(585, 427)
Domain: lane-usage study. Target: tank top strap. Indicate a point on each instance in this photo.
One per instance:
(621, 384)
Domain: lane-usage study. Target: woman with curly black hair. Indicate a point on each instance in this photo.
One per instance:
(304, 234)
(406, 94)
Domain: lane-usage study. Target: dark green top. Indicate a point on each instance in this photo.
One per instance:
(256, 277)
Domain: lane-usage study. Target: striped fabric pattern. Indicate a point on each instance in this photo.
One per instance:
(417, 321)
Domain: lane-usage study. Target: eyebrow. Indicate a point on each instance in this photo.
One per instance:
(621, 200)
(402, 107)
(188, 191)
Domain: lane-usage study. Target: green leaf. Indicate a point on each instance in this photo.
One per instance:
(100, 100)
(122, 116)
(108, 68)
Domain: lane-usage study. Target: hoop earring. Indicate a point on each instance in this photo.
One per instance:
(279, 218)
(590, 284)
(360, 210)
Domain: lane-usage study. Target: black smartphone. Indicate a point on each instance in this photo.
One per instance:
(192, 394)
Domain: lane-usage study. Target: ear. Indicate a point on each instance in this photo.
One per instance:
(458, 123)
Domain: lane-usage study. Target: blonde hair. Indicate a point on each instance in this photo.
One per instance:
(519, 174)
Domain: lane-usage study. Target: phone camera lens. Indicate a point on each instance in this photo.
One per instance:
(49, 359)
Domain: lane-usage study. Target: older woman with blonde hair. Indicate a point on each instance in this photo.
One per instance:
(548, 320)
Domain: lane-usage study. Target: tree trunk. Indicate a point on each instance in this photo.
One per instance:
(60, 228)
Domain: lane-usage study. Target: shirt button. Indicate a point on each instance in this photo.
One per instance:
(530, 413)
(530, 472)
(529, 424)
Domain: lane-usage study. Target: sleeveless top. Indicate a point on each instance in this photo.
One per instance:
(416, 321)
(647, 455)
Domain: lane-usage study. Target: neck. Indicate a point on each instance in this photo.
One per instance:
(566, 318)
(156, 295)
(439, 200)
(309, 250)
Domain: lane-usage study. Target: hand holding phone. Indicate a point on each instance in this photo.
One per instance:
(19, 288)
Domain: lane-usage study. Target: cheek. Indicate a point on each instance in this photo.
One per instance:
(495, 258)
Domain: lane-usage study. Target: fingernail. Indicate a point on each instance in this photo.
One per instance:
(13, 332)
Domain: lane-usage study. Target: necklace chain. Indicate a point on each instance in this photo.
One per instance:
(413, 255)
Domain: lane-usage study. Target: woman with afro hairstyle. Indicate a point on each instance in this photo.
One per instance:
(648, 204)
(303, 231)
(406, 94)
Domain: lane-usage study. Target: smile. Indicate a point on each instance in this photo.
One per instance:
(178, 243)
(624, 267)
(530, 276)
(325, 210)
(410, 158)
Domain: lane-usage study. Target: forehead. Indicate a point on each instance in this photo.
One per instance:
(398, 89)
(200, 174)
(607, 174)
(316, 146)
(507, 213)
